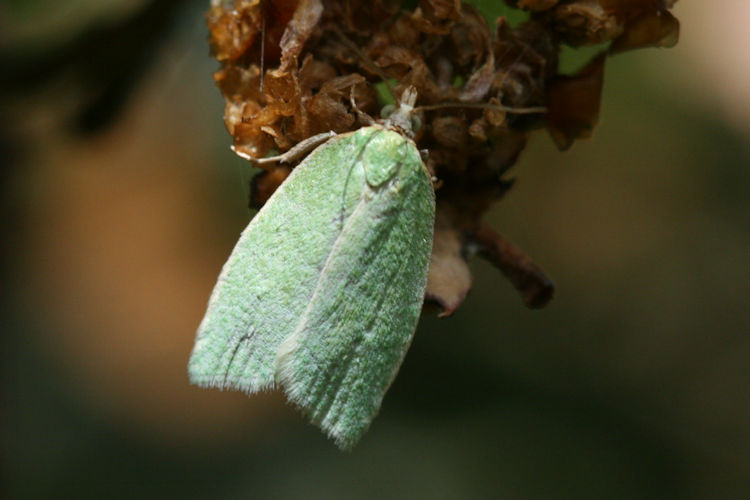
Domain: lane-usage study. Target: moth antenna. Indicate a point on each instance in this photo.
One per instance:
(479, 105)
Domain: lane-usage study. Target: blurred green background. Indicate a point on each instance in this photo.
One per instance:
(633, 383)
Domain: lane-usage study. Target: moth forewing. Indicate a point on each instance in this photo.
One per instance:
(271, 274)
(353, 335)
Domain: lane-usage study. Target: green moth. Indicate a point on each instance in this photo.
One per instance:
(323, 291)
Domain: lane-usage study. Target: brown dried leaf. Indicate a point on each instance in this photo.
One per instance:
(590, 22)
(436, 16)
(470, 40)
(573, 103)
(587, 22)
(298, 30)
(314, 73)
(659, 29)
(409, 68)
(233, 32)
(480, 82)
(328, 113)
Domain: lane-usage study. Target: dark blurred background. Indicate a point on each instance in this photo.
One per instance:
(121, 201)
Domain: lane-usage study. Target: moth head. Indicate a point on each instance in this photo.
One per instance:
(403, 117)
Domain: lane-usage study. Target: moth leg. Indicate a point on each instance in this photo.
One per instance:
(300, 149)
(535, 287)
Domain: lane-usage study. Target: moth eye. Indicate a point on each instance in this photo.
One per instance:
(416, 122)
(388, 110)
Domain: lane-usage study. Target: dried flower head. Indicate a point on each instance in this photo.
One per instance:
(291, 69)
